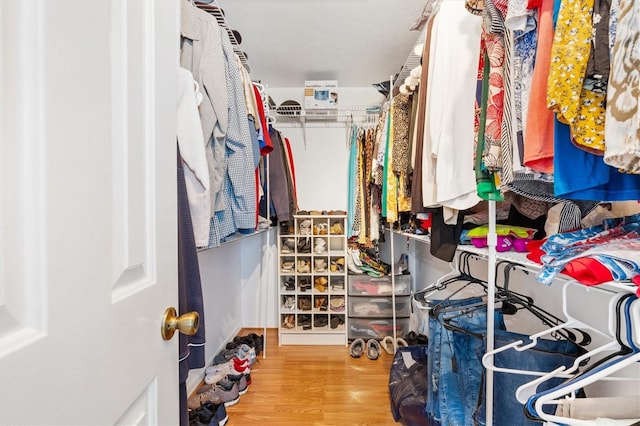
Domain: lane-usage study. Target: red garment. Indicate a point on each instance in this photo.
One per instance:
(588, 271)
(293, 170)
(636, 281)
(535, 253)
(533, 4)
(268, 146)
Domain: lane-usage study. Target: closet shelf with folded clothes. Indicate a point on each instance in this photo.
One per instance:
(521, 260)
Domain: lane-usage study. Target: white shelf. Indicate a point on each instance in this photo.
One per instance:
(519, 259)
(291, 302)
(292, 116)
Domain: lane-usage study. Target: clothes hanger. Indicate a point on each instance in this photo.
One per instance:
(630, 336)
(520, 345)
(425, 293)
(464, 276)
(526, 302)
(524, 392)
(621, 303)
(511, 302)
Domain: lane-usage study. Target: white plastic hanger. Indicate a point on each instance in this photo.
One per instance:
(519, 345)
(556, 396)
(524, 392)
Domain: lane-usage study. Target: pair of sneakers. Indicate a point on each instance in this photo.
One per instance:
(215, 373)
(242, 353)
(208, 414)
(222, 393)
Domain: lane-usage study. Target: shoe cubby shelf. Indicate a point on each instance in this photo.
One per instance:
(312, 281)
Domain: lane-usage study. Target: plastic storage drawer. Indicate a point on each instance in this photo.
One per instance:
(361, 306)
(377, 328)
(366, 285)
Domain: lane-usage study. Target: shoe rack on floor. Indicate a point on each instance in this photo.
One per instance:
(312, 281)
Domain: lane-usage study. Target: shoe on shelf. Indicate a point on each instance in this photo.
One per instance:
(337, 284)
(304, 245)
(320, 284)
(319, 265)
(320, 229)
(305, 227)
(373, 349)
(287, 266)
(303, 266)
(320, 321)
(336, 228)
(320, 303)
(289, 285)
(305, 284)
(304, 303)
(337, 303)
(289, 322)
(357, 348)
(320, 245)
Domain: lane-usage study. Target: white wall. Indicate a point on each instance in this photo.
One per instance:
(320, 149)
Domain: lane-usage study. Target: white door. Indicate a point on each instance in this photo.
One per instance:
(88, 260)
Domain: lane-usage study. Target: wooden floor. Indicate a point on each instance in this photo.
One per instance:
(314, 385)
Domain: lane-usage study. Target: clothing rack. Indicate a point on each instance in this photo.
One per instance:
(216, 11)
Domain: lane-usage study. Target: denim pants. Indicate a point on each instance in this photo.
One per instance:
(547, 355)
(454, 370)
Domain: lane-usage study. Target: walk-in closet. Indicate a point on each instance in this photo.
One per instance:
(347, 212)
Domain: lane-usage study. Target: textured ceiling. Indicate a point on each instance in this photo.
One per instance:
(357, 42)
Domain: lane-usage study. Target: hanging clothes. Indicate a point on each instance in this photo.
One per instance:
(582, 109)
(190, 299)
(202, 54)
(623, 112)
(538, 150)
(196, 174)
(451, 108)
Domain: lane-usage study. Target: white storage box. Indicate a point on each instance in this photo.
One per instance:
(378, 328)
(366, 285)
(360, 306)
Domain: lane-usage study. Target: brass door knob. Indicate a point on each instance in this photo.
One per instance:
(187, 323)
